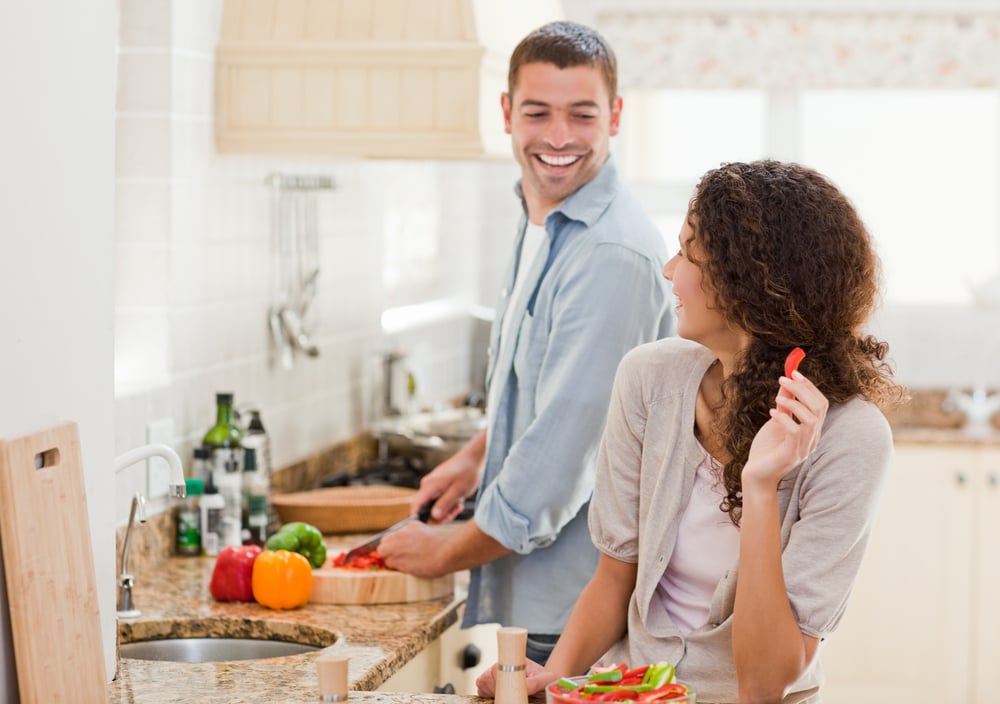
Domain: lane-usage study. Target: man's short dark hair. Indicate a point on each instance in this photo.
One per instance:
(565, 44)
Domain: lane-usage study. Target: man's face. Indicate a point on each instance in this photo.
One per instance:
(560, 122)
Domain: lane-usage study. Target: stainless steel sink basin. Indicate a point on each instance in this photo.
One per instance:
(218, 639)
(210, 649)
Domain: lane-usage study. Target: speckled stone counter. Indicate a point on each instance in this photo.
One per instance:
(943, 436)
(175, 601)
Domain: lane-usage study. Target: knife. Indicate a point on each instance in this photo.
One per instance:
(423, 515)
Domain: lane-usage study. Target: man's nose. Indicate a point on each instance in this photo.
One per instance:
(558, 134)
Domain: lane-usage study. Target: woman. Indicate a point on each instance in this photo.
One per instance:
(713, 464)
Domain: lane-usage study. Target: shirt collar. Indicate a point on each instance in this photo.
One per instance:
(587, 202)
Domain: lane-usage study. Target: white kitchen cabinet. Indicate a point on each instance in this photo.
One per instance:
(456, 665)
(418, 675)
(444, 661)
(924, 617)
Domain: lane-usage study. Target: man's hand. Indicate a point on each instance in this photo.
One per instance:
(536, 674)
(448, 484)
(415, 549)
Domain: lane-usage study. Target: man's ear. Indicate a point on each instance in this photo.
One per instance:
(505, 105)
(616, 114)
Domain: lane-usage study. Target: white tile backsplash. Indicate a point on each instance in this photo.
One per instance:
(143, 147)
(142, 212)
(145, 23)
(144, 81)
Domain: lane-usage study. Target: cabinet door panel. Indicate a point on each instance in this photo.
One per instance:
(986, 619)
(909, 616)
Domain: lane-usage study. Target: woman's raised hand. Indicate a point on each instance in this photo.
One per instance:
(790, 435)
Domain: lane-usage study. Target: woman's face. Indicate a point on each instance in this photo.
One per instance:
(698, 318)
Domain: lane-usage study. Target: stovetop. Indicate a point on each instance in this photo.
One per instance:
(392, 471)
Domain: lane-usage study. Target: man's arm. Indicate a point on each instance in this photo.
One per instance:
(426, 551)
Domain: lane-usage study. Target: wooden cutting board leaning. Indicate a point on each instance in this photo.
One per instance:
(49, 568)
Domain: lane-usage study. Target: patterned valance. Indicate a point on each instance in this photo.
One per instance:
(790, 51)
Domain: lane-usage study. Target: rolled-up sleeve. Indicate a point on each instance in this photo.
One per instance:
(603, 308)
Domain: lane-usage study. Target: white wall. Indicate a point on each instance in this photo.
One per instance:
(57, 69)
(192, 260)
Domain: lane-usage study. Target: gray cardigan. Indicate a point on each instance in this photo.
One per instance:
(645, 472)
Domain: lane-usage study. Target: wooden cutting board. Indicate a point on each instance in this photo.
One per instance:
(334, 585)
(49, 568)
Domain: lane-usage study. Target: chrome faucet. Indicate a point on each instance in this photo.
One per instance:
(126, 609)
(978, 407)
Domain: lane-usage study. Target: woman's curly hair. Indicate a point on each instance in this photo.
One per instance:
(790, 263)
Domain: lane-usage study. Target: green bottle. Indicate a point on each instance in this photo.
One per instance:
(223, 440)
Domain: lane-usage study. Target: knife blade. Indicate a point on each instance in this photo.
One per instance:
(423, 515)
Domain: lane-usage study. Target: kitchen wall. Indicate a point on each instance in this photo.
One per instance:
(56, 137)
(193, 261)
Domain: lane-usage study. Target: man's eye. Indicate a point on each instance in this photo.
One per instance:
(535, 114)
(585, 116)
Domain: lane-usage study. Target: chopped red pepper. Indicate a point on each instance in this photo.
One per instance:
(371, 561)
(792, 360)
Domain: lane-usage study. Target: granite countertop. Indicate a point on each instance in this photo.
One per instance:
(174, 599)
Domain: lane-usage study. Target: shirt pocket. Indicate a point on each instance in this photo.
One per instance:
(530, 350)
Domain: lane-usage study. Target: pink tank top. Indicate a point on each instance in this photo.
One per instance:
(707, 545)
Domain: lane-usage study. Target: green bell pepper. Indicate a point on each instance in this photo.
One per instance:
(301, 538)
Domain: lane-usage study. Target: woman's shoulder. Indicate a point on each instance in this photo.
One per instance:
(860, 423)
(675, 354)
(670, 363)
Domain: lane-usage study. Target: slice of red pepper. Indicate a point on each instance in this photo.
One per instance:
(792, 360)
(667, 691)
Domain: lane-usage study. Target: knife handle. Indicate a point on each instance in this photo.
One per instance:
(424, 514)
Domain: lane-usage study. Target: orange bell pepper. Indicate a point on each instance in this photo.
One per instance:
(281, 579)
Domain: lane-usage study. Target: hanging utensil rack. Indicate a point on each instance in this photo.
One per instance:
(295, 263)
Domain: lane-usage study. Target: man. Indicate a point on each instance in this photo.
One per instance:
(584, 286)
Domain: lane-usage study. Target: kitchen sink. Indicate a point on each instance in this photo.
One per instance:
(218, 639)
(211, 649)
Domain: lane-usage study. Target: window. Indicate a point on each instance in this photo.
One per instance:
(923, 168)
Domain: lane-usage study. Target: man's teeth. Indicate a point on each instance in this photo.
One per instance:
(552, 160)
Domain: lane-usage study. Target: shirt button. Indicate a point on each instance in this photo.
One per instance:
(503, 293)
(659, 560)
(489, 352)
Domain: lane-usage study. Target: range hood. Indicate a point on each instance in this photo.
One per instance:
(368, 78)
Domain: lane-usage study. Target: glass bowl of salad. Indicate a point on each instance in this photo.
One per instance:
(649, 684)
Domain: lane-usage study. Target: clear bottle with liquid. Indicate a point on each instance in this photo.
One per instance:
(256, 437)
(255, 491)
(212, 507)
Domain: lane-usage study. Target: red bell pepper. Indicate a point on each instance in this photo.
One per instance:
(792, 361)
(232, 576)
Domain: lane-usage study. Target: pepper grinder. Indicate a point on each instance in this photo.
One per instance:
(512, 684)
(332, 671)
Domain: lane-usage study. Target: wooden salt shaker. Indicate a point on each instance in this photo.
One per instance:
(512, 684)
(332, 671)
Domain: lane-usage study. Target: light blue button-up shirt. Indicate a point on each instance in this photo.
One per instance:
(595, 290)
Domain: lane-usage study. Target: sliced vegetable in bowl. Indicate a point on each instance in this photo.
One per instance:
(646, 684)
